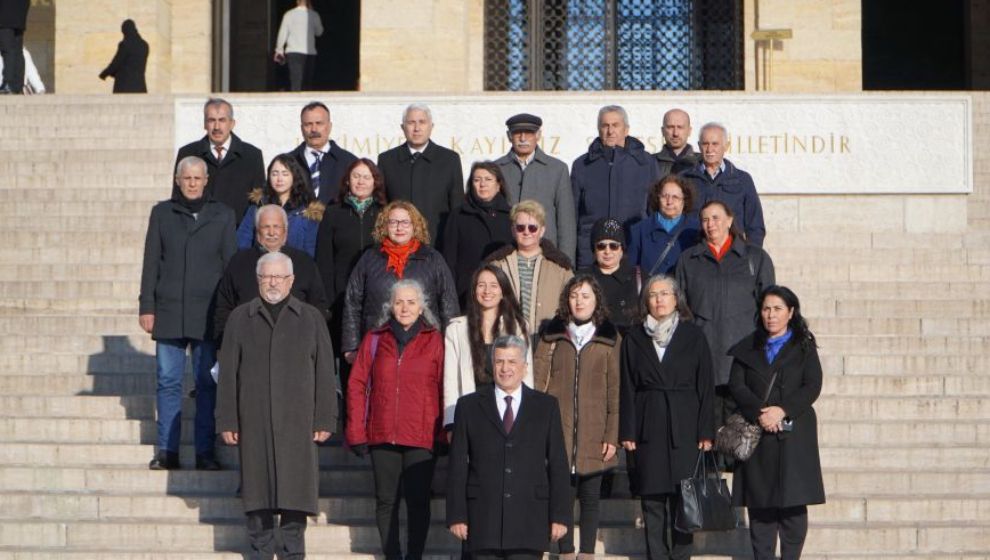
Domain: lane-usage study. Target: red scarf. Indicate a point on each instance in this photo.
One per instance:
(398, 255)
(720, 252)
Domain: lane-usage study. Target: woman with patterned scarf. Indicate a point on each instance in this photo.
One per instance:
(666, 411)
(401, 251)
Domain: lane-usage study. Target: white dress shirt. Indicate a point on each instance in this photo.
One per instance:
(500, 401)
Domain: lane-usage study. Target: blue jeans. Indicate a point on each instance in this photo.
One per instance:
(170, 355)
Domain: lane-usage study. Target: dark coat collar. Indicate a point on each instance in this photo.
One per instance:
(206, 147)
(667, 155)
(499, 204)
(429, 153)
(486, 396)
(634, 148)
(625, 272)
(696, 173)
(333, 151)
(605, 333)
(255, 307)
(550, 253)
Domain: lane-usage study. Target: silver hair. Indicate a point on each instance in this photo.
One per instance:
(271, 208)
(424, 301)
(509, 341)
(613, 109)
(716, 125)
(187, 161)
(217, 102)
(274, 258)
(417, 107)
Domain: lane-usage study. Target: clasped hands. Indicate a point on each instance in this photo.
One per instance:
(557, 530)
(771, 418)
(233, 438)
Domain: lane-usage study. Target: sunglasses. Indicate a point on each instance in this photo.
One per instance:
(612, 245)
(521, 228)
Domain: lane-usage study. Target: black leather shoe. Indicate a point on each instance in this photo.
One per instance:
(164, 461)
(207, 463)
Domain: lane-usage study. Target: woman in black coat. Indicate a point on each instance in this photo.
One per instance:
(784, 475)
(480, 226)
(402, 251)
(346, 231)
(722, 277)
(617, 278)
(665, 409)
(128, 65)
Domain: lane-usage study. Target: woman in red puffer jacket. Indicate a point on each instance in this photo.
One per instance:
(394, 411)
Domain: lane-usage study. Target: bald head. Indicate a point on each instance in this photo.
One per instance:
(676, 129)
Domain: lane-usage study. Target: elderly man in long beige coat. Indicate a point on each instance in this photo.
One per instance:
(277, 400)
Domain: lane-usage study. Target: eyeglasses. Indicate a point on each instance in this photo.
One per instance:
(610, 245)
(399, 223)
(521, 228)
(274, 278)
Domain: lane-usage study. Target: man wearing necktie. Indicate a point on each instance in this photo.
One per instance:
(234, 166)
(324, 158)
(508, 486)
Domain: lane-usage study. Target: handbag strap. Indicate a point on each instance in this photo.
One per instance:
(766, 397)
(666, 250)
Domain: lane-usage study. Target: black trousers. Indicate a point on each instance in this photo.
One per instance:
(409, 470)
(588, 491)
(507, 555)
(12, 50)
(790, 523)
(301, 70)
(663, 541)
(261, 534)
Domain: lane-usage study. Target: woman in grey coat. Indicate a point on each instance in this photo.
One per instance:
(722, 277)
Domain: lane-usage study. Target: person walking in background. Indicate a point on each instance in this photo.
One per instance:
(296, 44)
(13, 21)
(128, 65)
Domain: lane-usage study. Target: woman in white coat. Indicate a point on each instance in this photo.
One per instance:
(492, 311)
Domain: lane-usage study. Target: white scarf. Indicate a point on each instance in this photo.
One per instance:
(580, 334)
(661, 331)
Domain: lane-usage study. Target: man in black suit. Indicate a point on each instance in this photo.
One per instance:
(325, 160)
(422, 172)
(508, 485)
(13, 20)
(235, 167)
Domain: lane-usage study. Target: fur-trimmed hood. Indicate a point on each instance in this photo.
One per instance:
(605, 333)
(313, 211)
(550, 252)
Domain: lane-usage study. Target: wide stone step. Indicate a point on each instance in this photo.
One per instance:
(153, 186)
(14, 306)
(41, 274)
(28, 382)
(796, 255)
(130, 254)
(887, 288)
(859, 363)
(838, 344)
(838, 272)
(82, 289)
(79, 343)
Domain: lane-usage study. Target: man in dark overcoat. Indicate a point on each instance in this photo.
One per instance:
(423, 172)
(611, 180)
(13, 21)
(325, 160)
(239, 283)
(189, 242)
(508, 491)
(235, 166)
(277, 401)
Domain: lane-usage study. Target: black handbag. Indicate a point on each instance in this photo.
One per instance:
(738, 438)
(705, 504)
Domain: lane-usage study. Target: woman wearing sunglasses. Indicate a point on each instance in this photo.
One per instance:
(614, 274)
(536, 268)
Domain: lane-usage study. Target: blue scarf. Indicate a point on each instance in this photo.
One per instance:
(668, 224)
(775, 344)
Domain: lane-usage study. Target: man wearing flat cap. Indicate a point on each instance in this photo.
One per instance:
(531, 174)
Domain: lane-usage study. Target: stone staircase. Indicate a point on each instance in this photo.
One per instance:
(901, 310)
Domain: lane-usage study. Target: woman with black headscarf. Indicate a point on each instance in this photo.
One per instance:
(127, 66)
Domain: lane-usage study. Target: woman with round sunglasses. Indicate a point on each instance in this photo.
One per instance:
(536, 268)
(614, 274)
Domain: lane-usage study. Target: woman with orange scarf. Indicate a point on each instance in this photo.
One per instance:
(402, 250)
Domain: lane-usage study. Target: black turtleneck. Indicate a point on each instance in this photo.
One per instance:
(275, 308)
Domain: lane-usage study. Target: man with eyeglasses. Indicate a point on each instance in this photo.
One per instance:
(239, 285)
(189, 242)
(276, 402)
